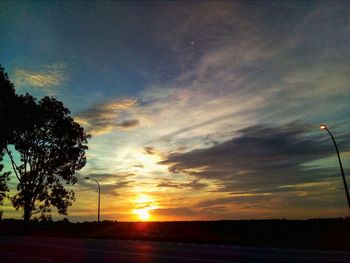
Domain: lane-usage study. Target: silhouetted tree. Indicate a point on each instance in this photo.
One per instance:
(7, 96)
(14, 118)
(8, 99)
(50, 149)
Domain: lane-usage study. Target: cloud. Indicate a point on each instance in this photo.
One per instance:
(224, 81)
(112, 189)
(47, 79)
(193, 185)
(239, 59)
(227, 111)
(127, 124)
(152, 150)
(177, 213)
(259, 159)
(149, 150)
(110, 183)
(103, 118)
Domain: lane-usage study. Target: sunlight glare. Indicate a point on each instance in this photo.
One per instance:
(143, 213)
(144, 205)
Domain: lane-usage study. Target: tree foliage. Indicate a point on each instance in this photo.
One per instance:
(13, 115)
(45, 147)
(7, 124)
(51, 150)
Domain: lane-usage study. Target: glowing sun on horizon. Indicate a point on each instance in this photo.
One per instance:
(145, 204)
(143, 213)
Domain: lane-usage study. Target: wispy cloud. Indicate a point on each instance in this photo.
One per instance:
(103, 118)
(48, 78)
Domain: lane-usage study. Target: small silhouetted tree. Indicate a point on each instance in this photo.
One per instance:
(46, 154)
(4, 177)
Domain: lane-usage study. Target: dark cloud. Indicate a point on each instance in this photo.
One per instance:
(128, 124)
(260, 159)
(149, 149)
(194, 185)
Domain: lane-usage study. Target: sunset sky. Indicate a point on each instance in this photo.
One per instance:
(198, 110)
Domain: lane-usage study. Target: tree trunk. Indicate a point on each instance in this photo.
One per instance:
(26, 217)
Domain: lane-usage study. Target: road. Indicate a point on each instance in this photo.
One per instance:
(68, 250)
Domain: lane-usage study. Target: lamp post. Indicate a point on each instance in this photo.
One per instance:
(324, 127)
(99, 197)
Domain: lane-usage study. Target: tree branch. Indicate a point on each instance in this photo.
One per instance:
(14, 165)
(36, 212)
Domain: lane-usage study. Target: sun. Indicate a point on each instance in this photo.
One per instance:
(143, 213)
(143, 199)
(144, 206)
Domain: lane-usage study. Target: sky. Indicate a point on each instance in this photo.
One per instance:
(198, 110)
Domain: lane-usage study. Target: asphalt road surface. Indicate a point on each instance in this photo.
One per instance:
(45, 249)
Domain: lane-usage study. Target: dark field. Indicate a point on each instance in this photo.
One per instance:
(313, 233)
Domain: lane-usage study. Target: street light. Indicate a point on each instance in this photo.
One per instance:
(99, 197)
(324, 127)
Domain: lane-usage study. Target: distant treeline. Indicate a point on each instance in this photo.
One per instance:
(312, 233)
